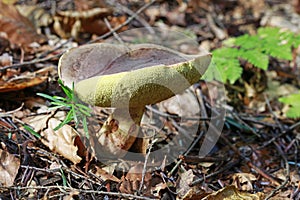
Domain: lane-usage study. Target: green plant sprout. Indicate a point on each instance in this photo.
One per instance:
(255, 49)
(77, 111)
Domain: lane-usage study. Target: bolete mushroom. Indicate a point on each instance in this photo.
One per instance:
(127, 78)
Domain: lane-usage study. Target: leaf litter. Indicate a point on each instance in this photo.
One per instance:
(242, 165)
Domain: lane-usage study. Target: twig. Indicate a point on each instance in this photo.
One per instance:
(227, 166)
(166, 115)
(145, 165)
(292, 127)
(64, 188)
(249, 163)
(55, 48)
(262, 173)
(245, 124)
(187, 152)
(219, 33)
(34, 61)
(273, 114)
(287, 172)
(123, 24)
(197, 159)
(255, 121)
(114, 32)
(130, 12)
(9, 113)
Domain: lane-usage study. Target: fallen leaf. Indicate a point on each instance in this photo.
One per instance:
(184, 190)
(184, 105)
(9, 166)
(11, 20)
(232, 193)
(62, 140)
(103, 174)
(244, 181)
(131, 183)
(25, 80)
(65, 141)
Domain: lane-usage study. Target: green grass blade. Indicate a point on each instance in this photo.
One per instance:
(46, 96)
(30, 130)
(68, 118)
(85, 127)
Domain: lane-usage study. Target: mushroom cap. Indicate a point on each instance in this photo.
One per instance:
(114, 75)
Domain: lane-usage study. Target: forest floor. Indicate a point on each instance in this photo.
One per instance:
(254, 152)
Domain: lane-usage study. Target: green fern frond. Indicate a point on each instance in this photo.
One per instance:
(293, 112)
(278, 51)
(248, 42)
(227, 63)
(296, 41)
(294, 101)
(226, 52)
(229, 69)
(255, 49)
(256, 58)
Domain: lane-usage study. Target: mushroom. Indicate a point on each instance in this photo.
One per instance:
(127, 78)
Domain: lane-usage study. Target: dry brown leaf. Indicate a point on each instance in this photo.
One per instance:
(65, 141)
(19, 29)
(244, 181)
(9, 166)
(25, 80)
(131, 183)
(103, 174)
(184, 105)
(62, 140)
(232, 193)
(185, 191)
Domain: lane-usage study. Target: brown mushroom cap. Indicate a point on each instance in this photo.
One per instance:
(115, 75)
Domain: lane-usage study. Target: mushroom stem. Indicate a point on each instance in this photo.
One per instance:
(119, 131)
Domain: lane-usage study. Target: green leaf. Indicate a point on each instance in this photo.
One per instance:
(256, 58)
(68, 118)
(225, 52)
(30, 130)
(74, 115)
(296, 41)
(294, 101)
(293, 112)
(229, 69)
(64, 179)
(248, 42)
(63, 104)
(67, 90)
(279, 51)
(85, 127)
(84, 107)
(86, 113)
(46, 96)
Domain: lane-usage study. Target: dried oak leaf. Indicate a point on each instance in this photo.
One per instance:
(9, 166)
(19, 29)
